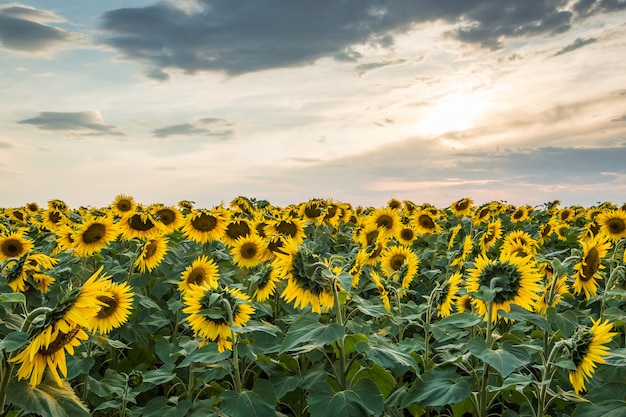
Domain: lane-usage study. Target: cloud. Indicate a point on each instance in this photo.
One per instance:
(198, 129)
(621, 118)
(363, 68)
(586, 8)
(578, 43)
(5, 145)
(241, 37)
(24, 29)
(73, 124)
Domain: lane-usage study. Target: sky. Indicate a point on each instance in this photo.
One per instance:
(358, 101)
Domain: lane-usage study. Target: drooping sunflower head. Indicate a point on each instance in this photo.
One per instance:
(613, 224)
(447, 294)
(242, 204)
(587, 270)
(14, 245)
(202, 272)
(265, 279)
(587, 348)
(117, 300)
(462, 207)
(123, 204)
(152, 253)
(514, 279)
(464, 252)
(490, 236)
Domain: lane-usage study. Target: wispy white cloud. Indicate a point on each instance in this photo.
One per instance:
(73, 124)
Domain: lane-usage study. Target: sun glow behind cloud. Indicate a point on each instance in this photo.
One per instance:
(454, 112)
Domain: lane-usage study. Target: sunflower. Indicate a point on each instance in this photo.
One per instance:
(123, 204)
(31, 208)
(52, 219)
(613, 224)
(463, 207)
(406, 235)
(312, 211)
(588, 346)
(424, 222)
(587, 270)
(47, 349)
(464, 303)
(170, 217)
(242, 204)
(546, 230)
(248, 251)
(453, 234)
(515, 279)
(235, 229)
(552, 295)
(64, 240)
(446, 295)
(117, 300)
(517, 239)
(31, 266)
(204, 226)
(93, 236)
(152, 253)
(400, 264)
(482, 214)
(209, 317)
(306, 285)
(384, 294)
(14, 245)
(466, 250)
(292, 228)
(490, 236)
(387, 221)
(565, 215)
(265, 278)
(520, 214)
(561, 230)
(202, 272)
(140, 224)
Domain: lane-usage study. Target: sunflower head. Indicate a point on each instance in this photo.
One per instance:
(14, 245)
(116, 305)
(613, 224)
(462, 207)
(123, 204)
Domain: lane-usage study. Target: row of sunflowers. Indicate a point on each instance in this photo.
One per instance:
(313, 309)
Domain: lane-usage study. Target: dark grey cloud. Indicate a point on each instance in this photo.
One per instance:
(25, 29)
(237, 37)
(578, 43)
(220, 128)
(363, 68)
(621, 118)
(586, 8)
(73, 124)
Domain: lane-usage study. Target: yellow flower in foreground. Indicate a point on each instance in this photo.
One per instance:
(399, 263)
(590, 264)
(117, 300)
(208, 313)
(248, 251)
(14, 246)
(613, 224)
(93, 236)
(516, 279)
(588, 349)
(152, 254)
(47, 349)
(447, 295)
(202, 272)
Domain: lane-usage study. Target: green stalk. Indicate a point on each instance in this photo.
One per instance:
(340, 344)
(233, 335)
(482, 399)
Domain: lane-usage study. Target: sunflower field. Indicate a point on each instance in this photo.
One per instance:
(317, 309)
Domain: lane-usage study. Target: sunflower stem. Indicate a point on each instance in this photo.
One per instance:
(233, 335)
(482, 398)
(340, 342)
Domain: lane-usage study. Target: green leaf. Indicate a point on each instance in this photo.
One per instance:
(47, 399)
(504, 360)
(520, 314)
(79, 366)
(617, 357)
(611, 408)
(259, 402)
(13, 341)
(363, 399)
(13, 297)
(159, 407)
(565, 321)
(307, 329)
(117, 344)
(388, 357)
(206, 355)
(382, 377)
(460, 320)
(157, 377)
(440, 386)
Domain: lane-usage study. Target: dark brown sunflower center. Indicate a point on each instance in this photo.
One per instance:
(616, 226)
(94, 233)
(139, 224)
(385, 221)
(331, 210)
(150, 250)
(32, 207)
(590, 265)
(166, 216)
(407, 234)
(490, 235)
(312, 212)
(18, 215)
(12, 248)
(426, 221)
(124, 205)
(260, 229)
(275, 245)
(236, 230)
(249, 250)
(204, 222)
(287, 228)
(462, 205)
(109, 307)
(54, 217)
(518, 214)
(197, 276)
(371, 237)
(61, 340)
(397, 261)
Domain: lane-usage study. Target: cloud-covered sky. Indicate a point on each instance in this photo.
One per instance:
(358, 101)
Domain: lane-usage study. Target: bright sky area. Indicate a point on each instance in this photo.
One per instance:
(358, 101)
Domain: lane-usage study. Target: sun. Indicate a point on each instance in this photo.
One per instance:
(453, 112)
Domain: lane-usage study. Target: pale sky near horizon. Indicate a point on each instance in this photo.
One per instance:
(359, 101)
